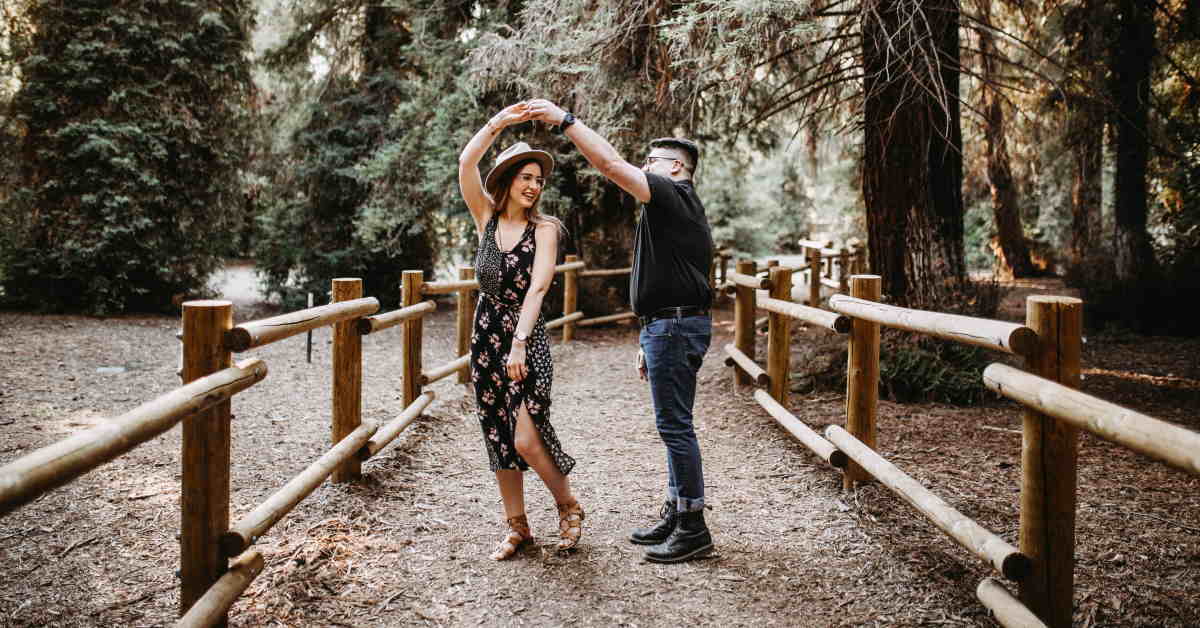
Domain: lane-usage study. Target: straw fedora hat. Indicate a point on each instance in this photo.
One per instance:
(516, 153)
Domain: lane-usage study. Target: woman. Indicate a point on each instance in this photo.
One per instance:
(510, 355)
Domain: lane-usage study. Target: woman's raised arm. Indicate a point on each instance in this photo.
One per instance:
(470, 183)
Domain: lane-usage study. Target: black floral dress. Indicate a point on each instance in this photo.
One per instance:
(504, 278)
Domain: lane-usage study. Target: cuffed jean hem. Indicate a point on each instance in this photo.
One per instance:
(684, 504)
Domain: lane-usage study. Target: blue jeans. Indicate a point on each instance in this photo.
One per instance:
(674, 349)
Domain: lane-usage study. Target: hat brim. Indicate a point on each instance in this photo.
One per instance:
(541, 156)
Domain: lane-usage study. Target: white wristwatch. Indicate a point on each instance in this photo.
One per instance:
(519, 337)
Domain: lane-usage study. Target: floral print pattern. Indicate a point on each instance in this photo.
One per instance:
(504, 278)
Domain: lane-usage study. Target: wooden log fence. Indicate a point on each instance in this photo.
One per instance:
(213, 606)
(979, 541)
(1008, 610)
(247, 531)
(1042, 565)
(40, 471)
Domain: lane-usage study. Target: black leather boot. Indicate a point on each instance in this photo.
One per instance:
(658, 532)
(689, 540)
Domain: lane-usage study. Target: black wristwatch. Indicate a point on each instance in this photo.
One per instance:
(567, 121)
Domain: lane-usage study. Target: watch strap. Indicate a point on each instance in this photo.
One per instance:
(567, 121)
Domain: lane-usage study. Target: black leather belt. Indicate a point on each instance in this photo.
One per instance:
(673, 312)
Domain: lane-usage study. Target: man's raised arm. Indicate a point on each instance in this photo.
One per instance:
(596, 149)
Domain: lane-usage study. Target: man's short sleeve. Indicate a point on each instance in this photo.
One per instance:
(662, 192)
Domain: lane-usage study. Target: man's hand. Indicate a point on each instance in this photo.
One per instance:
(546, 111)
(641, 364)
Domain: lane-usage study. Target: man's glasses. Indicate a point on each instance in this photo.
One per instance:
(651, 159)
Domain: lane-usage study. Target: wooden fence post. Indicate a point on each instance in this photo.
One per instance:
(744, 310)
(347, 379)
(862, 376)
(779, 337)
(844, 271)
(410, 294)
(1048, 465)
(204, 489)
(814, 277)
(466, 319)
(570, 297)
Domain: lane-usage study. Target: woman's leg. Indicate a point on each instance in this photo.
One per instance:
(512, 491)
(529, 444)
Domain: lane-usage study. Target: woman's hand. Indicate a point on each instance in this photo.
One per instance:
(517, 370)
(510, 115)
(546, 111)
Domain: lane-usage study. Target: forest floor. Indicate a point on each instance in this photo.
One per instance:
(408, 546)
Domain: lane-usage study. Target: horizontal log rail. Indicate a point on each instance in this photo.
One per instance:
(449, 287)
(973, 537)
(262, 332)
(211, 608)
(751, 368)
(1170, 443)
(800, 431)
(388, 433)
(50, 467)
(446, 370)
(1008, 610)
(605, 272)
(831, 283)
(255, 524)
(815, 244)
(980, 332)
(812, 315)
(795, 268)
(750, 281)
(563, 320)
(380, 322)
(611, 318)
(561, 268)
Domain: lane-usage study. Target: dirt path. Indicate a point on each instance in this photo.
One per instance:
(408, 546)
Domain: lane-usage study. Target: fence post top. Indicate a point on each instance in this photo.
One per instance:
(866, 278)
(207, 303)
(410, 273)
(345, 279)
(1051, 298)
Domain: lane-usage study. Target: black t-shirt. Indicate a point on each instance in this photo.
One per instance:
(673, 249)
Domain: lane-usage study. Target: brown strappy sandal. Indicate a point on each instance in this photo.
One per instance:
(518, 535)
(570, 525)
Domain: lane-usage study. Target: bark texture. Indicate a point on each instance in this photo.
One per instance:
(912, 158)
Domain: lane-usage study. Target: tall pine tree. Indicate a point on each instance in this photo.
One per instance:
(131, 144)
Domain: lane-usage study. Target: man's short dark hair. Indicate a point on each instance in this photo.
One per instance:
(685, 145)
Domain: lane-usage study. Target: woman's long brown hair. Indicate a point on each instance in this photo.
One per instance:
(504, 186)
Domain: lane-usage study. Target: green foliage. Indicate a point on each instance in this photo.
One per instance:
(922, 368)
(130, 125)
(373, 190)
(309, 233)
(916, 367)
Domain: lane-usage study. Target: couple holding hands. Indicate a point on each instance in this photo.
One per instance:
(511, 366)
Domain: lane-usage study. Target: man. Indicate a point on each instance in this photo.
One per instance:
(671, 296)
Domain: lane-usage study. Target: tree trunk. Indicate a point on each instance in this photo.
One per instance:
(912, 162)
(1130, 62)
(1087, 190)
(1014, 252)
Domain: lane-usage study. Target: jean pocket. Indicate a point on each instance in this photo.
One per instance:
(658, 328)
